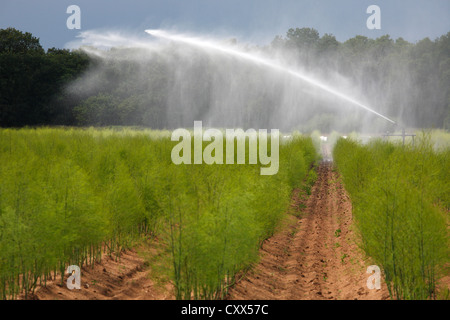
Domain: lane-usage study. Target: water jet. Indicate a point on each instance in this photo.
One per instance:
(211, 45)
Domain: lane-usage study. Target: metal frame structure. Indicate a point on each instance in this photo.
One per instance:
(403, 135)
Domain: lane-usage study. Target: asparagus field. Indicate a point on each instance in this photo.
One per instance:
(69, 196)
(401, 199)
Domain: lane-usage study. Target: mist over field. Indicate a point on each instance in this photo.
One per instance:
(166, 84)
(136, 79)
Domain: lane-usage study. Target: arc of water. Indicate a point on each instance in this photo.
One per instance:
(258, 60)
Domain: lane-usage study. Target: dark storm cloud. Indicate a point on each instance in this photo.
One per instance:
(256, 21)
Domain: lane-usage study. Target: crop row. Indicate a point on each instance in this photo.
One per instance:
(67, 196)
(400, 198)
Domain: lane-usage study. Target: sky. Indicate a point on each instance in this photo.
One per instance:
(252, 21)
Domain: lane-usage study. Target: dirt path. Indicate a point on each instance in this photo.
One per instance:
(315, 257)
(126, 279)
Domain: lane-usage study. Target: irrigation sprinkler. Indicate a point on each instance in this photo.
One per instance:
(403, 135)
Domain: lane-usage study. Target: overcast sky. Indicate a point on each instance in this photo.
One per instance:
(255, 21)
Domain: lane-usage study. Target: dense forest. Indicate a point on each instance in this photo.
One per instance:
(175, 85)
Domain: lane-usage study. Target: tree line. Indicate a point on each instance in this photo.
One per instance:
(407, 81)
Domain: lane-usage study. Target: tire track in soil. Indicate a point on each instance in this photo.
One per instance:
(316, 257)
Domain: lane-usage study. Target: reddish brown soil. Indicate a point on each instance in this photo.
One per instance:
(127, 278)
(314, 257)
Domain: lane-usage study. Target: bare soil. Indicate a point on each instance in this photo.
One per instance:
(127, 278)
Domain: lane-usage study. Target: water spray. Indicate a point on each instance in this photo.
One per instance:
(205, 44)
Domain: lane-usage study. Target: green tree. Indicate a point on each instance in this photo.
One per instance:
(327, 43)
(32, 81)
(14, 41)
(304, 38)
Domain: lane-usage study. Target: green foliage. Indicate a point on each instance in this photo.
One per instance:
(400, 199)
(17, 42)
(218, 216)
(32, 81)
(67, 195)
